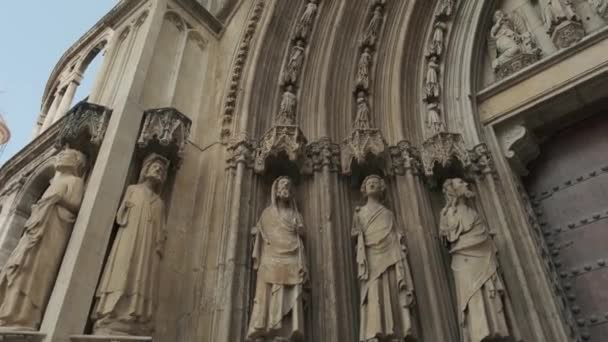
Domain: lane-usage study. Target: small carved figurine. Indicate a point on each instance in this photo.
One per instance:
(558, 11)
(373, 28)
(291, 70)
(365, 61)
(436, 45)
(305, 23)
(434, 122)
(362, 119)
(432, 79)
(287, 110)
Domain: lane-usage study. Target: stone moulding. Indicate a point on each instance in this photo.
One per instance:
(86, 124)
(93, 338)
(165, 131)
(281, 139)
(360, 146)
(444, 150)
(21, 336)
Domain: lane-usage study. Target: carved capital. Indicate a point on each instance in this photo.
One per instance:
(567, 34)
(519, 146)
(281, 139)
(363, 146)
(165, 131)
(85, 128)
(444, 150)
(405, 158)
(322, 153)
(481, 160)
(241, 151)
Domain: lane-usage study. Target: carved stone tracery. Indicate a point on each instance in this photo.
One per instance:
(165, 131)
(281, 139)
(85, 127)
(443, 150)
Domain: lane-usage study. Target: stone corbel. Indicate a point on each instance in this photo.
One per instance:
(286, 140)
(165, 131)
(85, 128)
(443, 152)
(519, 146)
(405, 158)
(365, 147)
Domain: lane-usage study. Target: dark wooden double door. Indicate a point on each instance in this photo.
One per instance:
(568, 185)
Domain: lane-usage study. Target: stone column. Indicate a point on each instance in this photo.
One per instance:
(66, 100)
(71, 301)
(48, 119)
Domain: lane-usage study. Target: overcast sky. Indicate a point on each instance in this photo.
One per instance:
(33, 36)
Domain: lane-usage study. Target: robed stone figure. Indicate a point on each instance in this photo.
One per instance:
(127, 296)
(28, 278)
(483, 306)
(280, 262)
(387, 293)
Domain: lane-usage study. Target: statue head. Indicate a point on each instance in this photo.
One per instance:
(455, 189)
(70, 161)
(282, 190)
(499, 15)
(154, 169)
(373, 186)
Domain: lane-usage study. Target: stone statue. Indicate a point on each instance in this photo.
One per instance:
(556, 12)
(287, 111)
(436, 45)
(446, 8)
(27, 279)
(387, 293)
(291, 70)
(373, 28)
(432, 79)
(434, 122)
(280, 262)
(127, 296)
(515, 46)
(362, 119)
(601, 7)
(305, 23)
(480, 292)
(365, 62)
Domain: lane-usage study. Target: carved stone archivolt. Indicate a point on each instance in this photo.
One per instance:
(165, 131)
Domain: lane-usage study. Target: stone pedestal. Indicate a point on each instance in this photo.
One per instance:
(95, 338)
(516, 64)
(567, 33)
(21, 336)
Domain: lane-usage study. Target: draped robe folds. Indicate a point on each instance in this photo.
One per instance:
(280, 261)
(387, 291)
(480, 291)
(128, 292)
(27, 279)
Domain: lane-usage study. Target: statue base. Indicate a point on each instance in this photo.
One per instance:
(515, 64)
(21, 336)
(101, 338)
(567, 34)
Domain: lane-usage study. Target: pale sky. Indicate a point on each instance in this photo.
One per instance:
(33, 36)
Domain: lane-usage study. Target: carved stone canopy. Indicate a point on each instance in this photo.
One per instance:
(165, 131)
(281, 141)
(85, 128)
(364, 146)
(442, 152)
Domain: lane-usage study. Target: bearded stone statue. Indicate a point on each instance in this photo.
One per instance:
(127, 296)
(280, 261)
(27, 279)
(483, 306)
(387, 293)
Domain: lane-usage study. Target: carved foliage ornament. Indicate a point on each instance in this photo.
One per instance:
(444, 149)
(166, 129)
(323, 153)
(405, 158)
(85, 120)
(361, 144)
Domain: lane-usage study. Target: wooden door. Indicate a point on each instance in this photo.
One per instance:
(568, 184)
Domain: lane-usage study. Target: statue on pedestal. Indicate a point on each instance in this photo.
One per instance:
(127, 296)
(280, 261)
(387, 292)
(482, 300)
(27, 279)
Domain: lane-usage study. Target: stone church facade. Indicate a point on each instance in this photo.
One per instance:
(317, 170)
